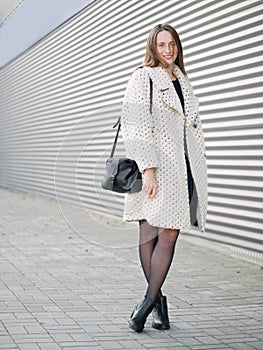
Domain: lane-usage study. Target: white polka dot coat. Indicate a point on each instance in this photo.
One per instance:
(160, 139)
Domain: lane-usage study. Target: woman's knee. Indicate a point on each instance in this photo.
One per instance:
(168, 236)
(147, 231)
(147, 227)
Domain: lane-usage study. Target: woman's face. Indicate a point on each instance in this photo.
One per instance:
(166, 46)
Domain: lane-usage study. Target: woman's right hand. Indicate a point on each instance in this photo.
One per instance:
(149, 182)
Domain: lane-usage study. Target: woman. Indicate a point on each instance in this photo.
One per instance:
(167, 143)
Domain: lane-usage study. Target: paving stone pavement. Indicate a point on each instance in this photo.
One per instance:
(69, 279)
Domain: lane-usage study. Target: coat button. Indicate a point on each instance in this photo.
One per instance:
(195, 125)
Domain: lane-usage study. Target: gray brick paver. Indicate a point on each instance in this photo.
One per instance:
(258, 345)
(111, 345)
(242, 346)
(236, 339)
(211, 347)
(16, 330)
(85, 347)
(60, 291)
(31, 338)
(130, 344)
(207, 340)
(29, 346)
(6, 340)
(49, 346)
(81, 337)
(63, 337)
(77, 345)
(189, 341)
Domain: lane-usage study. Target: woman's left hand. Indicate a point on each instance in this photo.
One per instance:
(149, 182)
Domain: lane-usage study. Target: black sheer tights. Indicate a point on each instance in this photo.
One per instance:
(156, 250)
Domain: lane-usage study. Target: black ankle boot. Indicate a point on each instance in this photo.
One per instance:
(140, 314)
(160, 314)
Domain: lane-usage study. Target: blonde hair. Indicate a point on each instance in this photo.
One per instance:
(152, 58)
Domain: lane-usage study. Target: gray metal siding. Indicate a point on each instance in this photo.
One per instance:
(7, 7)
(60, 98)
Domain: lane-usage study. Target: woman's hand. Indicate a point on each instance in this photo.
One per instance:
(149, 182)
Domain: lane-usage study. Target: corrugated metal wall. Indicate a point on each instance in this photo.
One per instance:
(60, 98)
(7, 7)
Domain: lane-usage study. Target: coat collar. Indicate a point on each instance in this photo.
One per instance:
(164, 84)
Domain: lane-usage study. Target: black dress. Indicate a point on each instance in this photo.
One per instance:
(178, 89)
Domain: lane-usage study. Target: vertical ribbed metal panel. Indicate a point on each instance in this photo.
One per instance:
(60, 98)
(7, 7)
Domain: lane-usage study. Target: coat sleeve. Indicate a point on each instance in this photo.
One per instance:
(137, 122)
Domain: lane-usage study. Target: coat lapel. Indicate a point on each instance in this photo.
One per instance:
(165, 86)
(169, 95)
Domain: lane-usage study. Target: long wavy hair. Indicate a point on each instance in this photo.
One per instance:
(152, 59)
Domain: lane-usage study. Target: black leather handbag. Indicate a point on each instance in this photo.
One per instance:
(122, 175)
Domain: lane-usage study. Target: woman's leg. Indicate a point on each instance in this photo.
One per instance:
(161, 260)
(156, 254)
(147, 241)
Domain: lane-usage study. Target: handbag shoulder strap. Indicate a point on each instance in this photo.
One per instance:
(118, 123)
(151, 96)
(116, 136)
